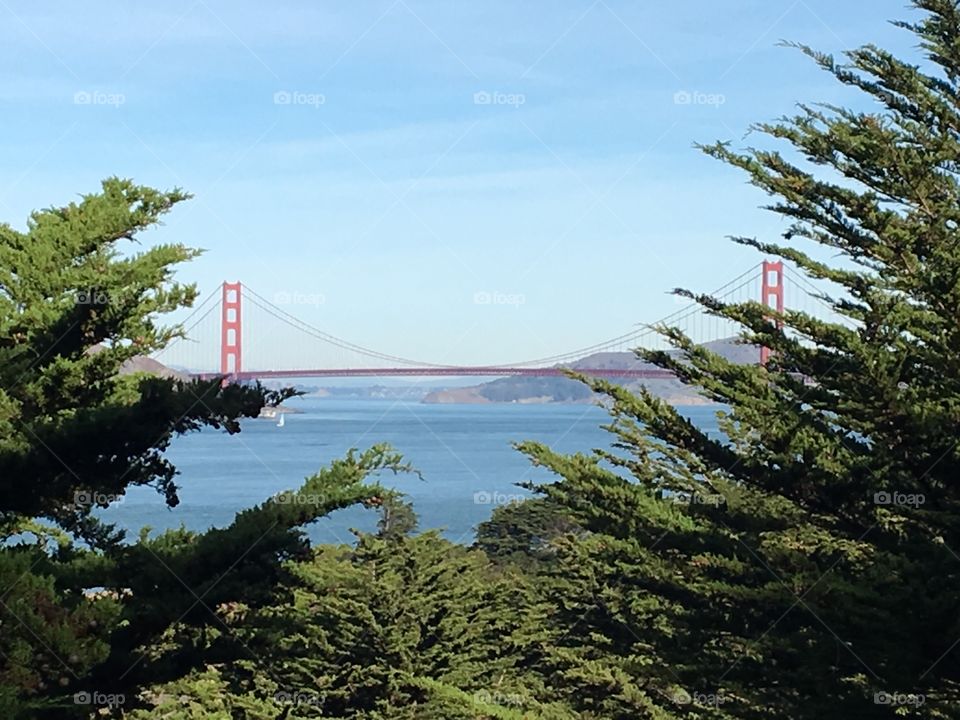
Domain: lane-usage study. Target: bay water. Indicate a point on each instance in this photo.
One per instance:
(464, 453)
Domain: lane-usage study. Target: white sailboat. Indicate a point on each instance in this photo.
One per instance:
(282, 416)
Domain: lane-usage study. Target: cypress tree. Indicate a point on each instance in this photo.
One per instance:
(806, 565)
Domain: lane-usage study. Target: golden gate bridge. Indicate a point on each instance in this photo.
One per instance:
(241, 335)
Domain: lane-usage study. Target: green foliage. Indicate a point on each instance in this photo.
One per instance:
(75, 433)
(805, 566)
(73, 310)
(399, 627)
(397, 518)
(47, 640)
(769, 576)
(179, 579)
(525, 533)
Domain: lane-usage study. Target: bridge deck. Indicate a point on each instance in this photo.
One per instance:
(453, 371)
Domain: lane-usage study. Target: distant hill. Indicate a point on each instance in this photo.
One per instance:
(735, 351)
(522, 389)
(145, 364)
(151, 366)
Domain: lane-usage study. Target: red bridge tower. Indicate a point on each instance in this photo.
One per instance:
(231, 341)
(771, 295)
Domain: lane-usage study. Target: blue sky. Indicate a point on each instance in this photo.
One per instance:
(394, 160)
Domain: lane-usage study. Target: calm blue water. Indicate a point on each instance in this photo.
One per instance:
(463, 452)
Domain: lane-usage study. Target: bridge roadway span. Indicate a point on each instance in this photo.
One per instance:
(452, 371)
